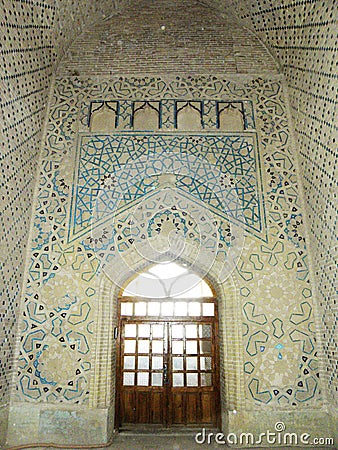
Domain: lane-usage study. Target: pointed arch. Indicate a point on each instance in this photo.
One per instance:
(103, 378)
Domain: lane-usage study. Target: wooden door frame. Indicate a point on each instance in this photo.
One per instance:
(118, 375)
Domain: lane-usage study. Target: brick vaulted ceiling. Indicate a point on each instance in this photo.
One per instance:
(301, 34)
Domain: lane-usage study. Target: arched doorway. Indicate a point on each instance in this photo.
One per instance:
(167, 370)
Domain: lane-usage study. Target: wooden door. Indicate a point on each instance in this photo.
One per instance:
(168, 370)
(192, 370)
(143, 382)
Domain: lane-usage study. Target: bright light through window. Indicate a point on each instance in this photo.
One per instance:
(168, 280)
(167, 270)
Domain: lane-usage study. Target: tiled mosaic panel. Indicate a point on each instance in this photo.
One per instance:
(35, 35)
(302, 36)
(61, 295)
(235, 156)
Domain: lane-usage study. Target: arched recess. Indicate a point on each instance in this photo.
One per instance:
(102, 384)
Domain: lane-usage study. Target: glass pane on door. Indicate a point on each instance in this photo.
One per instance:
(191, 357)
(143, 352)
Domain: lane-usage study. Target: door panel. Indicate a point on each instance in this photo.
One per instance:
(192, 371)
(208, 408)
(168, 372)
(128, 406)
(143, 406)
(157, 407)
(178, 410)
(192, 409)
(142, 360)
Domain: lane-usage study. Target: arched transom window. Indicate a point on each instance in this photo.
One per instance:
(167, 290)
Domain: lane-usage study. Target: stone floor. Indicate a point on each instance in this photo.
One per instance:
(169, 443)
(181, 441)
(166, 439)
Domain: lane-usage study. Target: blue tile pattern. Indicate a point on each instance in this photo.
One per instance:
(272, 272)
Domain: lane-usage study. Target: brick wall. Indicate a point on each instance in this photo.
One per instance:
(166, 37)
(35, 35)
(27, 58)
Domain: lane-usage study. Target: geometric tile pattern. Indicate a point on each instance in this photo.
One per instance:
(24, 82)
(281, 361)
(234, 156)
(62, 290)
